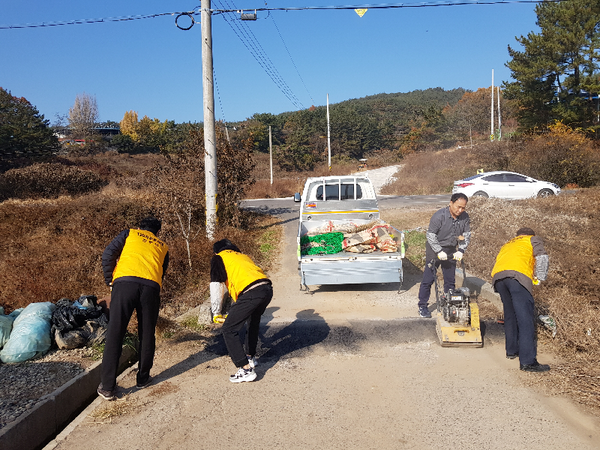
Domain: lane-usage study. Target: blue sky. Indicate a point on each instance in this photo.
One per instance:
(152, 67)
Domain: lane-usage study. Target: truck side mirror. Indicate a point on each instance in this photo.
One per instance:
(297, 197)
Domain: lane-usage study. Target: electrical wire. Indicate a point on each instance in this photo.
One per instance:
(253, 46)
(292, 59)
(90, 21)
(196, 11)
(218, 95)
(399, 5)
(260, 51)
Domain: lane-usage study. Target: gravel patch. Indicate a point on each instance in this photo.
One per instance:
(25, 384)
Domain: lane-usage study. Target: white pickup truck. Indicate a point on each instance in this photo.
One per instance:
(348, 205)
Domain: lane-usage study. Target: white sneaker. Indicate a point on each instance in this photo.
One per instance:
(252, 361)
(243, 375)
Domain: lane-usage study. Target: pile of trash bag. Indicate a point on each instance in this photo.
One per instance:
(6, 324)
(79, 323)
(30, 335)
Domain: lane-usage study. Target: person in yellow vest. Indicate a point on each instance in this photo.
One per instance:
(521, 264)
(251, 292)
(134, 265)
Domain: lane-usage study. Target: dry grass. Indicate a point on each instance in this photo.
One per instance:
(113, 409)
(286, 184)
(52, 247)
(409, 218)
(569, 225)
(431, 172)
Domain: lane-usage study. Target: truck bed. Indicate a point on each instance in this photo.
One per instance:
(338, 204)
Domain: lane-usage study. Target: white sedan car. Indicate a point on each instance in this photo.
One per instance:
(501, 184)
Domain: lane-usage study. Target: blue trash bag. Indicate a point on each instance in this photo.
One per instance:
(6, 323)
(30, 336)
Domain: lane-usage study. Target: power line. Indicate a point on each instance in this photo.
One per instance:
(253, 46)
(397, 5)
(90, 21)
(281, 82)
(292, 59)
(196, 11)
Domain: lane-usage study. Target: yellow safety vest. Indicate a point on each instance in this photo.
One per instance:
(241, 272)
(516, 255)
(143, 256)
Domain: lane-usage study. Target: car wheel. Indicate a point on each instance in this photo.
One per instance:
(545, 193)
(480, 194)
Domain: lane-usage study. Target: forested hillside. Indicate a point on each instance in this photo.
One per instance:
(395, 124)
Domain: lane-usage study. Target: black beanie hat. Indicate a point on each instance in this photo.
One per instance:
(525, 232)
(225, 244)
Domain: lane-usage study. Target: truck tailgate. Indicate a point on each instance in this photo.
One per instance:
(349, 268)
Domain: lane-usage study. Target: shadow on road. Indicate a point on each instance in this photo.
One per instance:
(293, 339)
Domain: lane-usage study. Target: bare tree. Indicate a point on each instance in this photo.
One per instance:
(178, 182)
(83, 115)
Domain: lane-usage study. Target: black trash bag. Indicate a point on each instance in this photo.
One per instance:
(97, 330)
(69, 316)
(92, 332)
(71, 339)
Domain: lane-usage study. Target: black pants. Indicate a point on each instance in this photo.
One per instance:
(249, 307)
(519, 320)
(449, 272)
(127, 296)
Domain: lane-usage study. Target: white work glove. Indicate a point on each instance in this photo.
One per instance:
(457, 256)
(217, 293)
(442, 256)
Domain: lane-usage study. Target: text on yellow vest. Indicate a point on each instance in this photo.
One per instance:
(143, 256)
(241, 271)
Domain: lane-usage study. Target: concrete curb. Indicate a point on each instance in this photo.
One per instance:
(479, 288)
(34, 428)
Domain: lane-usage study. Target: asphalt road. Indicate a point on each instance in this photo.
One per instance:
(281, 206)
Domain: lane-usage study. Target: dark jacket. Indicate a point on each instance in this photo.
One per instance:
(444, 232)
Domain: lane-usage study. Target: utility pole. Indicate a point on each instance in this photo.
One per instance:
(499, 117)
(271, 153)
(210, 140)
(492, 109)
(328, 138)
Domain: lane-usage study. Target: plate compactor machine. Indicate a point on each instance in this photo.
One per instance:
(457, 319)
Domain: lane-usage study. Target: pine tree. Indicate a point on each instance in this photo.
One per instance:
(556, 75)
(23, 130)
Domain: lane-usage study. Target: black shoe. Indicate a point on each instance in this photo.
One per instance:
(106, 395)
(535, 367)
(516, 355)
(424, 312)
(147, 383)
